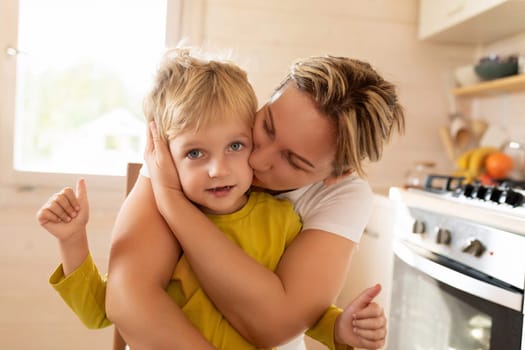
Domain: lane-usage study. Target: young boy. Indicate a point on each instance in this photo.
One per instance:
(205, 109)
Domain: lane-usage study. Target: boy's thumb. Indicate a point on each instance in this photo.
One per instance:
(368, 295)
(81, 190)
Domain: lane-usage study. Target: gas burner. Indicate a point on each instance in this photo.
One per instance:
(505, 192)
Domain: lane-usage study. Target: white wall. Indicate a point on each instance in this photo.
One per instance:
(267, 35)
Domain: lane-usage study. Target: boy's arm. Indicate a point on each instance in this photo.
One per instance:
(324, 330)
(84, 291)
(338, 327)
(65, 216)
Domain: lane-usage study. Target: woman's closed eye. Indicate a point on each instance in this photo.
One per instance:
(267, 124)
(266, 127)
(292, 163)
(297, 162)
(295, 166)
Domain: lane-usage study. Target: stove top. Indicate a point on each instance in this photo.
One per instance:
(507, 196)
(454, 202)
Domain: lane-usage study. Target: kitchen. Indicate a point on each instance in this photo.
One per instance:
(382, 32)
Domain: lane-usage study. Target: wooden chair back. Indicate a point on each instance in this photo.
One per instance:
(132, 174)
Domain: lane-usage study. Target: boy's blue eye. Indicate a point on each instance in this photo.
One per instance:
(194, 154)
(236, 146)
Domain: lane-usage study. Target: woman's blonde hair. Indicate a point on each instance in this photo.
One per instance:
(363, 106)
(190, 92)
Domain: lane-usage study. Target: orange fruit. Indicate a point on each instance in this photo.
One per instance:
(498, 165)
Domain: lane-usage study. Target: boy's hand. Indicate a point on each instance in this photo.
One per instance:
(162, 170)
(66, 213)
(163, 173)
(362, 323)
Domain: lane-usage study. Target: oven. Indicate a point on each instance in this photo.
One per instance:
(459, 269)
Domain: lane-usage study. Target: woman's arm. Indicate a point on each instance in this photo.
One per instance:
(184, 336)
(267, 308)
(142, 258)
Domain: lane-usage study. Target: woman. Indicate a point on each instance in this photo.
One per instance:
(327, 117)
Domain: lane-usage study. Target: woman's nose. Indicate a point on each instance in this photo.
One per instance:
(219, 168)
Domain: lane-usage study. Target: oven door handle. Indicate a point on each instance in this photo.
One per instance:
(458, 280)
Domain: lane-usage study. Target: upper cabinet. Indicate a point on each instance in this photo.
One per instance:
(470, 21)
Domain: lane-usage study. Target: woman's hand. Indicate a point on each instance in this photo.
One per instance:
(162, 170)
(362, 323)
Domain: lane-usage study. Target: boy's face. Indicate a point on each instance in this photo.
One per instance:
(213, 165)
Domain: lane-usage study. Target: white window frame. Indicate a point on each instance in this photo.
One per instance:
(184, 23)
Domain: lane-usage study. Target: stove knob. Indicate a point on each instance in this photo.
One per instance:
(482, 192)
(419, 227)
(495, 195)
(514, 198)
(474, 247)
(468, 191)
(443, 236)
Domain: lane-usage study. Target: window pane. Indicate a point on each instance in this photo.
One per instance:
(84, 69)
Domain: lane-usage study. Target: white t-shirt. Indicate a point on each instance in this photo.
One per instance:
(343, 208)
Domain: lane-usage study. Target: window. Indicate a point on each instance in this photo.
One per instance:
(81, 69)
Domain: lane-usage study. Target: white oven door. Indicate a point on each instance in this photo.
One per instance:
(437, 306)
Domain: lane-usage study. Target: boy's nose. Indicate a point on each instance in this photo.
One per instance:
(219, 168)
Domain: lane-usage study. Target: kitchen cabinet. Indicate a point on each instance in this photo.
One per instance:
(515, 83)
(470, 21)
(373, 259)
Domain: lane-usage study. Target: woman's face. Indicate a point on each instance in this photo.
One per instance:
(294, 144)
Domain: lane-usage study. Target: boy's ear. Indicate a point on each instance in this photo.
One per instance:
(330, 180)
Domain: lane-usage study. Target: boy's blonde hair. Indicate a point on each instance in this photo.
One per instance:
(190, 92)
(363, 106)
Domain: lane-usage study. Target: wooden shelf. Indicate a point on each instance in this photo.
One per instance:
(515, 83)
